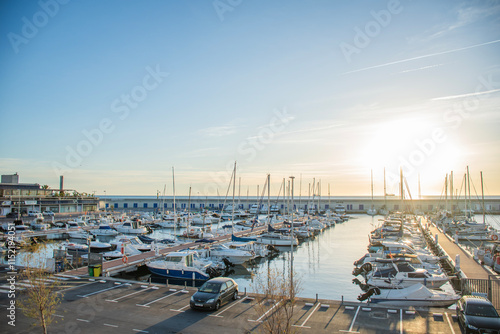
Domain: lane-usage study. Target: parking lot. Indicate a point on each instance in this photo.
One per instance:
(111, 306)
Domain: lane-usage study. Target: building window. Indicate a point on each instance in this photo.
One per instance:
(165, 205)
(116, 205)
(136, 205)
(430, 207)
(125, 205)
(155, 205)
(361, 206)
(396, 206)
(145, 205)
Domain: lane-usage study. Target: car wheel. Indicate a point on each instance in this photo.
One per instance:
(235, 295)
(217, 305)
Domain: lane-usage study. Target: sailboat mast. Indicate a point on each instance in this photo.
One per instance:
(446, 192)
(451, 191)
(385, 192)
(401, 189)
(482, 197)
(468, 186)
(173, 190)
(269, 196)
(371, 172)
(234, 189)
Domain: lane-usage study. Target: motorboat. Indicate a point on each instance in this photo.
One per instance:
(340, 209)
(277, 239)
(183, 265)
(131, 227)
(104, 230)
(133, 241)
(75, 231)
(233, 255)
(416, 295)
(402, 275)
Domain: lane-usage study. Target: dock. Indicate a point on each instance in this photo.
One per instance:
(115, 266)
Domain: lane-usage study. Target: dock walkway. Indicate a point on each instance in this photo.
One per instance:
(113, 266)
(469, 267)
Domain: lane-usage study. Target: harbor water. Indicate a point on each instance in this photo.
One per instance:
(322, 265)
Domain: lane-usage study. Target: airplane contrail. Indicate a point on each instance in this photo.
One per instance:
(420, 57)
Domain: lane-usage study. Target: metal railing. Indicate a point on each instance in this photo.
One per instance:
(488, 287)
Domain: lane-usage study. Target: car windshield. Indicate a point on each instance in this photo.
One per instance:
(482, 311)
(210, 287)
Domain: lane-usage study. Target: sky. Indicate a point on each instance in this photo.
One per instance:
(120, 96)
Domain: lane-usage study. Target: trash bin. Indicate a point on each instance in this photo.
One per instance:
(91, 271)
(97, 270)
(59, 266)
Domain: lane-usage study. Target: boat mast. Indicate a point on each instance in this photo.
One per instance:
(300, 191)
(269, 197)
(371, 172)
(385, 194)
(468, 185)
(482, 196)
(401, 189)
(234, 188)
(446, 192)
(175, 217)
(451, 191)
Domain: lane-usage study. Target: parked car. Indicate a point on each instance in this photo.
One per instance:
(477, 315)
(214, 293)
(11, 215)
(33, 213)
(48, 213)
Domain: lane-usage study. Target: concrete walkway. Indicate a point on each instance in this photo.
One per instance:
(468, 265)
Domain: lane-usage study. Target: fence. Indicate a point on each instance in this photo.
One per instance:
(489, 287)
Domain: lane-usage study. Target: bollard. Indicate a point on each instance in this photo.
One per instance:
(342, 300)
(245, 291)
(316, 298)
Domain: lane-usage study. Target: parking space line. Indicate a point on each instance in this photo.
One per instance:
(227, 308)
(352, 323)
(74, 287)
(314, 310)
(96, 292)
(109, 325)
(262, 316)
(139, 330)
(130, 294)
(84, 320)
(151, 302)
(400, 321)
(449, 323)
(181, 309)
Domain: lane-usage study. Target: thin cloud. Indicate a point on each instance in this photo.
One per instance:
(219, 131)
(420, 57)
(465, 95)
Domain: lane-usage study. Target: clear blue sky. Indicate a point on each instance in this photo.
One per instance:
(113, 94)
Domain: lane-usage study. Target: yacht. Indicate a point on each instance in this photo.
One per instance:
(183, 265)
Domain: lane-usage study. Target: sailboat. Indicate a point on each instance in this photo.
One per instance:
(372, 211)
